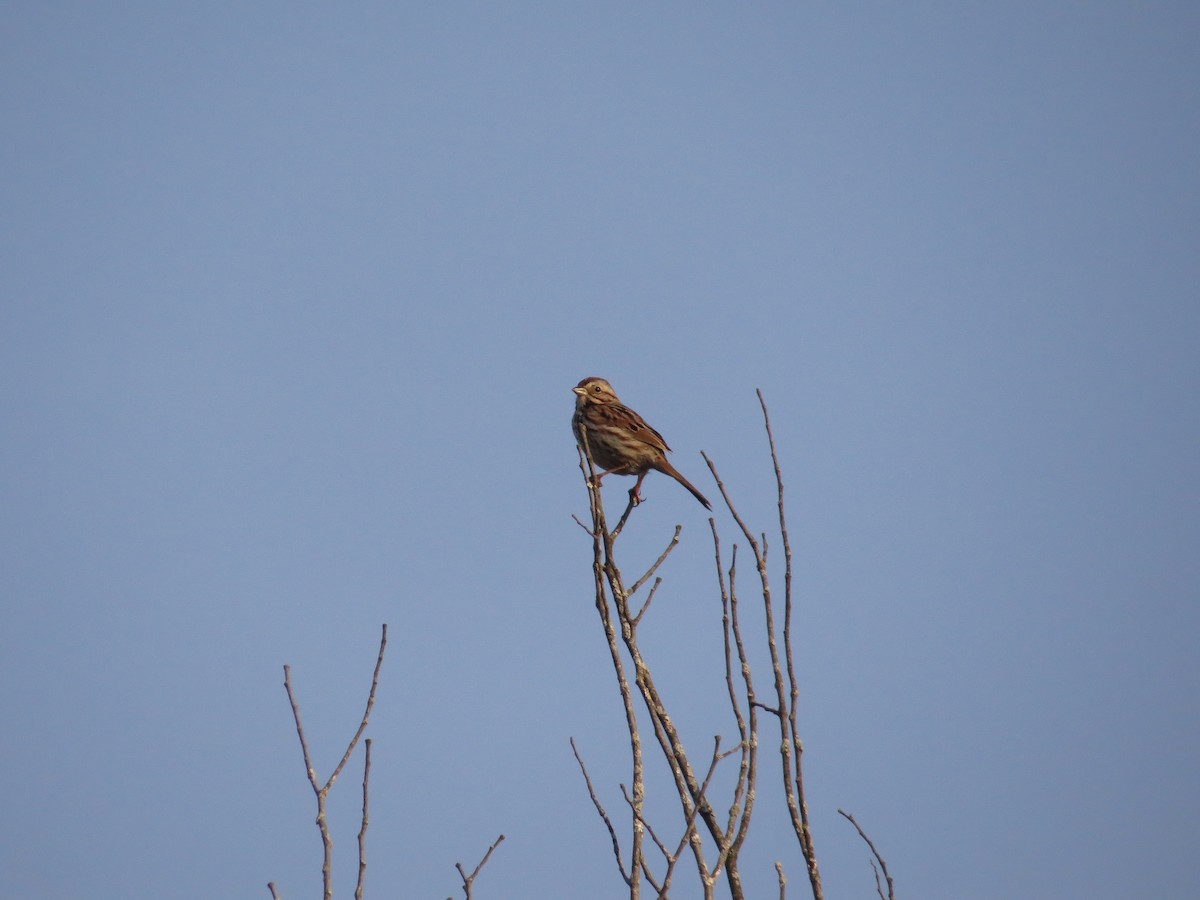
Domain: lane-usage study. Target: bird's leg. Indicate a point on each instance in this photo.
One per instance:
(635, 494)
(600, 474)
(615, 470)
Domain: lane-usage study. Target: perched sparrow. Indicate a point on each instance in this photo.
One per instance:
(619, 439)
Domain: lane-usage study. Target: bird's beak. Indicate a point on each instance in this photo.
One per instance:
(578, 391)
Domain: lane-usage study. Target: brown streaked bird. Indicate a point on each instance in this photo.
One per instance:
(620, 441)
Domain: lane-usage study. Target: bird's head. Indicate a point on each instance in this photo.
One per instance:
(594, 390)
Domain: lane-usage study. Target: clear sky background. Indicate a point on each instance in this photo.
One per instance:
(292, 298)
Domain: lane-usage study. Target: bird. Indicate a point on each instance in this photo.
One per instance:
(618, 439)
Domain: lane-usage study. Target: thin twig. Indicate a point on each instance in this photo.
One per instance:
(624, 516)
(271, 888)
(468, 880)
(592, 481)
(645, 823)
(882, 865)
(788, 739)
(362, 832)
(603, 568)
(674, 542)
(743, 798)
(612, 832)
(322, 793)
(308, 766)
(645, 606)
(366, 712)
(641, 820)
(793, 679)
(690, 824)
(319, 792)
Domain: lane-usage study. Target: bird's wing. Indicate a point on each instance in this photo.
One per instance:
(639, 428)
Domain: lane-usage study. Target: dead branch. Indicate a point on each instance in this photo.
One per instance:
(609, 582)
(469, 880)
(743, 800)
(793, 679)
(658, 562)
(791, 747)
(612, 832)
(882, 865)
(362, 831)
(322, 792)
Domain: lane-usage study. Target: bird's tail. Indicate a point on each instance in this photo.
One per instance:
(667, 469)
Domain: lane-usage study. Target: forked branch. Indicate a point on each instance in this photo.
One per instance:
(469, 880)
(891, 895)
(321, 792)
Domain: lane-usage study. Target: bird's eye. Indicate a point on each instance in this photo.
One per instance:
(596, 388)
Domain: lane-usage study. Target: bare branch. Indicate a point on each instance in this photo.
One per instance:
(790, 746)
(271, 888)
(625, 515)
(366, 712)
(607, 574)
(690, 824)
(636, 620)
(793, 678)
(612, 832)
(322, 793)
(882, 865)
(322, 823)
(639, 819)
(674, 542)
(603, 570)
(362, 832)
(308, 766)
(469, 880)
(743, 798)
(662, 848)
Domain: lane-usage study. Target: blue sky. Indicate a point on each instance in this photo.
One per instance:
(293, 298)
